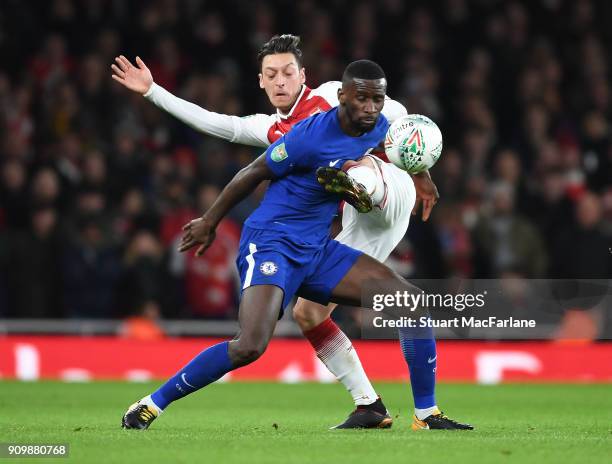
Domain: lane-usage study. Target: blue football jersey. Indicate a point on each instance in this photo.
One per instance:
(295, 203)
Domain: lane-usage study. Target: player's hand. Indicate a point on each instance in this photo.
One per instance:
(138, 79)
(201, 232)
(427, 194)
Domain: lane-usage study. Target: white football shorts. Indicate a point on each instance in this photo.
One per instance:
(378, 232)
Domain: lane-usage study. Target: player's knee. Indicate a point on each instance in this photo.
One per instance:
(246, 355)
(247, 352)
(305, 317)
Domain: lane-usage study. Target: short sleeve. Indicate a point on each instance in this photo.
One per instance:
(288, 153)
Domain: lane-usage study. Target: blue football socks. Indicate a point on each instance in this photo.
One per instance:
(419, 349)
(210, 365)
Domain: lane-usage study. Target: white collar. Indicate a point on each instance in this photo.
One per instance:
(297, 100)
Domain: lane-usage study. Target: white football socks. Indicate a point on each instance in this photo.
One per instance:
(424, 413)
(371, 180)
(149, 402)
(339, 356)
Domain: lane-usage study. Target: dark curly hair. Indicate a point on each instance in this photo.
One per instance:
(362, 69)
(286, 43)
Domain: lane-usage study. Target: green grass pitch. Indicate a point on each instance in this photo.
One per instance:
(266, 422)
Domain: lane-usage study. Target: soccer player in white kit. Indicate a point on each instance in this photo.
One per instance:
(377, 233)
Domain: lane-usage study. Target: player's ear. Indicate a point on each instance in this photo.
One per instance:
(302, 75)
(261, 84)
(341, 96)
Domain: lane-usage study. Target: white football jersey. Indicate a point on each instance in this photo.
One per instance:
(258, 130)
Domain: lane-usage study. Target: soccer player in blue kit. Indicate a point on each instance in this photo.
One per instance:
(285, 249)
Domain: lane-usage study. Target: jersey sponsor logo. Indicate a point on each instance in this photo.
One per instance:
(279, 153)
(268, 268)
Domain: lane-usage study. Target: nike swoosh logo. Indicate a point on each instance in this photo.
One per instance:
(185, 380)
(333, 163)
(430, 360)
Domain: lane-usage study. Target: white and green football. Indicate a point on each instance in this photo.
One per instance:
(413, 143)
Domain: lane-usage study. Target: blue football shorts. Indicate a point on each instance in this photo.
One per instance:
(269, 257)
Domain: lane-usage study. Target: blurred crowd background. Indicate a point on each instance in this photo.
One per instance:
(95, 182)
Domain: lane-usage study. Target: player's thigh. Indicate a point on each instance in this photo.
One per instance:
(260, 306)
(309, 314)
(380, 279)
(378, 232)
(401, 195)
(373, 237)
(365, 269)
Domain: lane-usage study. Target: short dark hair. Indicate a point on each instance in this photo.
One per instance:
(286, 43)
(363, 69)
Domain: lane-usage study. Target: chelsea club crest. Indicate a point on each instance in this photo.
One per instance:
(268, 268)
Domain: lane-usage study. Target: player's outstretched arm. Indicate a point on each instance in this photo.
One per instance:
(251, 130)
(137, 78)
(427, 193)
(201, 231)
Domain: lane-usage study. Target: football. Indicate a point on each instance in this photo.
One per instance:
(413, 143)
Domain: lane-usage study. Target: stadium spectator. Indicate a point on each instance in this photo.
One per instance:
(13, 196)
(90, 269)
(33, 260)
(210, 281)
(549, 207)
(142, 283)
(583, 250)
(45, 188)
(504, 241)
(144, 325)
(133, 213)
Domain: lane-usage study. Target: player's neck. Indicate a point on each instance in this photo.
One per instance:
(346, 125)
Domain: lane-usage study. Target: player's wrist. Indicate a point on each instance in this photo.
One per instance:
(150, 90)
(211, 219)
